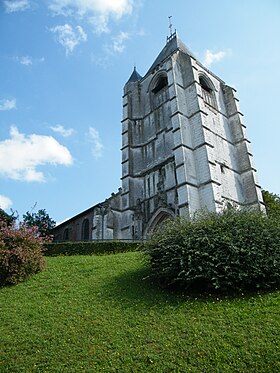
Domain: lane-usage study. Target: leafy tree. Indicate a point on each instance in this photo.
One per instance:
(40, 219)
(272, 203)
(5, 217)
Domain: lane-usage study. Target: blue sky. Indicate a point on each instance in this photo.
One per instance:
(63, 67)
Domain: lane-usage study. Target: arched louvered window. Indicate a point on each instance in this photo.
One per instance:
(208, 93)
(160, 84)
(159, 90)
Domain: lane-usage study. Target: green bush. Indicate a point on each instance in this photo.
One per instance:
(233, 250)
(89, 248)
(21, 253)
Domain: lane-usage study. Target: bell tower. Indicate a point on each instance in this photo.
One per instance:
(184, 146)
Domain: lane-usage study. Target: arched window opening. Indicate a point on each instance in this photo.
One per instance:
(161, 83)
(160, 93)
(85, 230)
(208, 93)
(66, 234)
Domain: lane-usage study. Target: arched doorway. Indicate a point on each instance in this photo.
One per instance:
(157, 219)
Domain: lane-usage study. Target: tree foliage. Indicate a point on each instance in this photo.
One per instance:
(233, 250)
(4, 216)
(41, 220)
(272, 203)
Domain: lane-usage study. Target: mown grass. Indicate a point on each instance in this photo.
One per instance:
(96, 313)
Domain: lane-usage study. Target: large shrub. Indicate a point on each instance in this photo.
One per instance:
(233, 250)
(21, 253)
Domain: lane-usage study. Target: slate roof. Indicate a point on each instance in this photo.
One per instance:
(173, 44)
(134, 77)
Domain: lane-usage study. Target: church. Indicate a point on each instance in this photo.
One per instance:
(184, 148)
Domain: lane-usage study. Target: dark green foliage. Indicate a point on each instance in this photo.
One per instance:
(40, 219)
(272, 204)
(5, 217)
(89, 248)
(21, 253)
(233, 250)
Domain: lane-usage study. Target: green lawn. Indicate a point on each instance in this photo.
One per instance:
(96, 313)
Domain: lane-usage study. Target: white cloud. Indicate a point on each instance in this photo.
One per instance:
(110, 7)
(28, 61)
(21, 155)
(7, 104)
(62, 130)
(94, 138)
(98, 12)
(211, 57)
(5, 202)
(69, 37)
(100, 23)
(25, 60)
(12, 6)
(118, 42)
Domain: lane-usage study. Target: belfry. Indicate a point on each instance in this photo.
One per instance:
(184, 148)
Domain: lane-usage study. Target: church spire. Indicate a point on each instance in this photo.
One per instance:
(135, 76)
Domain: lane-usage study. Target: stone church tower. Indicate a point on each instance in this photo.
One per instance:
(184, 146)
(184, 149)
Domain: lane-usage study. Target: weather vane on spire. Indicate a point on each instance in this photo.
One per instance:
(171, 31)
(170, 25)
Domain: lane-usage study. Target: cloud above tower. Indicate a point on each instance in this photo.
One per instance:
(12, 6)
(97, 12)
(115, 8)
(68, 36)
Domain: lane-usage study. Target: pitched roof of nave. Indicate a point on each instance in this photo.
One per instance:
(173, 44)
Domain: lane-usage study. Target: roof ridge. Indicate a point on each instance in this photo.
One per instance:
(173, 43)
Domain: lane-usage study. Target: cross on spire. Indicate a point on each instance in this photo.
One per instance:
(170, 25)
(172, 34)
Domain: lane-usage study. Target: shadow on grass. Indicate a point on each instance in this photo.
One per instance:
(135, 287)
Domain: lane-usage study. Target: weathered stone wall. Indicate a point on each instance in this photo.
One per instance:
(184, 148)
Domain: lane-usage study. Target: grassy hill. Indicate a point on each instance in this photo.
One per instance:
(96, 313)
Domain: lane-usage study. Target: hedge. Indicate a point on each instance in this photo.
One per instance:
(89, 248)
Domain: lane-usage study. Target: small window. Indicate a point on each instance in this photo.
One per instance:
(161, 83)
(85, 230)
(208, 93)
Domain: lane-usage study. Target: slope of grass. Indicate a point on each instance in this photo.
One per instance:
(96, 313)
